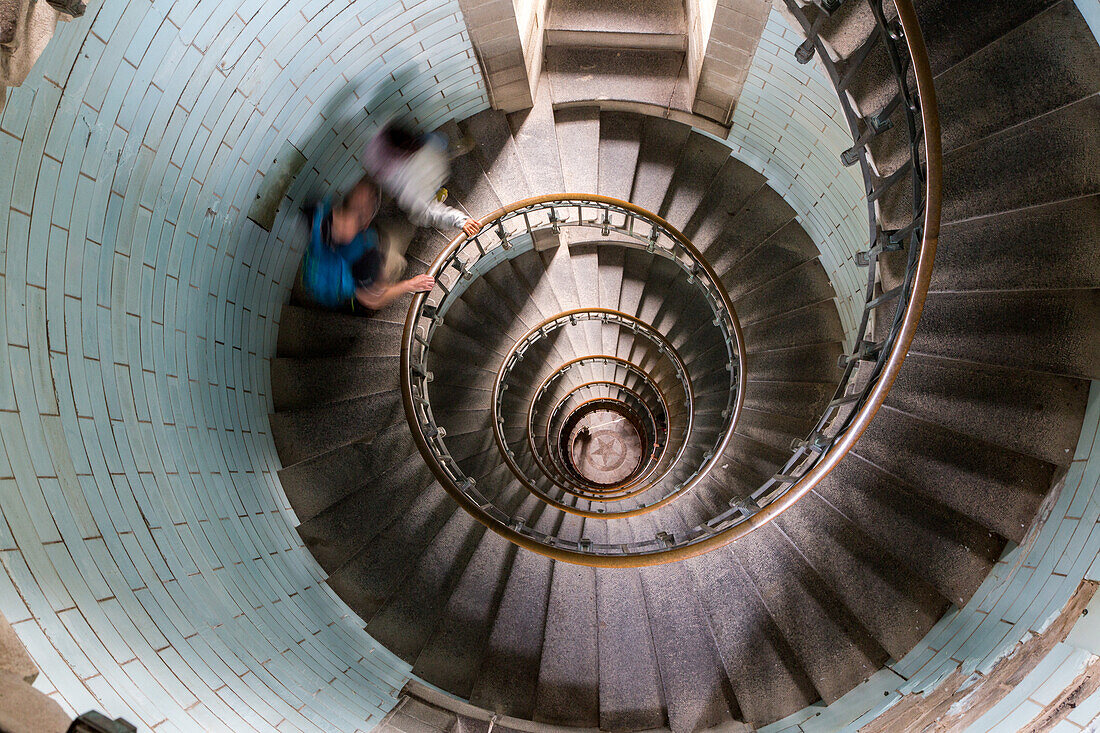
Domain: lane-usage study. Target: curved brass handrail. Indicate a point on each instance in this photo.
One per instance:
(627, 365)
(924, 237)
(664, 347)
(612, 492)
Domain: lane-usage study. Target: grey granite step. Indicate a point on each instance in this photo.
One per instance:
(620, 140)
(949, 550)
(1050, 61)
(583, 75)
(578, 132)
(568, 682)
(310, 332)
(1036, 414)
(896, 606)
(536, 143)
(763, 672)
(835, 649)
(620, 23)
(454, 651)
(998, 488)
(699, 164)
(696, 690)
(631, 697)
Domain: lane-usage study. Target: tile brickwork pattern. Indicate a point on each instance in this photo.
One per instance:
(788, 125)
(149, 558)
(1029, 584)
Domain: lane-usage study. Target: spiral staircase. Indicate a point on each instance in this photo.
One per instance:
(752, 557)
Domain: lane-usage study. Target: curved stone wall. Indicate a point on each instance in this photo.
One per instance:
(788, 125)
(149, 558)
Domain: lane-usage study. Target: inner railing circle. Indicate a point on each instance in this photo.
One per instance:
(856, 400)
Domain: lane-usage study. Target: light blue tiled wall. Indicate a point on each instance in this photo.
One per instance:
(788, 125)
(1029, 584)
(148, 555)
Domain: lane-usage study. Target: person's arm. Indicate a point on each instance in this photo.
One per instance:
(379, 295)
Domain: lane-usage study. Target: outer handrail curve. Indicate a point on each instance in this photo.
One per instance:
(858, 422)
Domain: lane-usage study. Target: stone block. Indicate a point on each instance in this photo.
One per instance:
(24, 709)
(13, 655)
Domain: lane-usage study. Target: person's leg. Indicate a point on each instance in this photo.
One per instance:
(394, 236)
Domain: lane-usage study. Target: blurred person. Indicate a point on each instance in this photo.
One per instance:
(412, 168)
(348, 259)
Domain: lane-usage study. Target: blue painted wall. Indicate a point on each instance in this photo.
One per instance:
(148, 555)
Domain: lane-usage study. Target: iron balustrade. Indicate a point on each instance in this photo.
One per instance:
(638, 328)
(869, 369)
(656, 433)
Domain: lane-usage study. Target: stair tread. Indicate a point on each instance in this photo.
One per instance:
(766, 678)
(1039, 248)
(620, 16)
(1036, 414)
(1051, 331)
(699, 164)
(583, 75)
(630, 681)
(1041, 65)
(893, 604)
(1033, 163)
(620, 141)
(835, 650)
(568, 679)
(662, 142)
(696, 691)
(536, 143)
(578, 132)
(996, 487)
(949, 550)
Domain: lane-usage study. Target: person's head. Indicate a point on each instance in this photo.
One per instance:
(402, 139)
(355, 211)
(362, 200)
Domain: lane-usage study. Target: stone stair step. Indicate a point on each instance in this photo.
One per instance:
(308, 432)
(568, 681)
(765, 676)
(701, 160)
(630, 681)
(696, 691)
(300, 383)
(620, 141)
(895, 605)
(836, 651)
(1048, 62)
(949, 550)
(583, 75)
(1035, 414)
(578, 133)
(309, 332)
(998, 488)
(662, 143)
(617, 24)
(1053, 331)
(536, 142)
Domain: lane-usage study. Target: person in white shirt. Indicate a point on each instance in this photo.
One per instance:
(411, 169)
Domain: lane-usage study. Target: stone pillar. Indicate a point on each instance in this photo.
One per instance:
(26, 27)
(734, 35)
(24, 709)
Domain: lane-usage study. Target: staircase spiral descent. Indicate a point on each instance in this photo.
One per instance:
(569, 306)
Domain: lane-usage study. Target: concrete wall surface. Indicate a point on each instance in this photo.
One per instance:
(788, 125)
(149, 561)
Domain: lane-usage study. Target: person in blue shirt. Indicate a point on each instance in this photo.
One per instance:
(345, 260)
